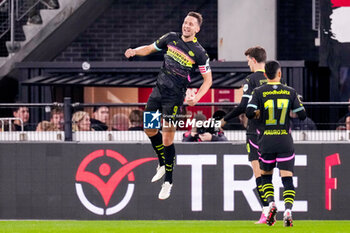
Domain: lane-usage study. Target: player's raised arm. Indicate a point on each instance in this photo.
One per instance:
(140, 51)
(202, 90)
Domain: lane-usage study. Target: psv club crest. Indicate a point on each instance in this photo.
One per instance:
(104, 170)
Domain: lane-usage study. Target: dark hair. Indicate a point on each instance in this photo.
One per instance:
(96, 108)
(197, 15)
(136, 116)
(258, 53)
(219, 114)
(15, 109)
(271, 68)
(56, 110)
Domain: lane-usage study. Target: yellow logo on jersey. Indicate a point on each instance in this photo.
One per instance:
(275, 92)
(276, 132)
(191, 53)
(180, 56)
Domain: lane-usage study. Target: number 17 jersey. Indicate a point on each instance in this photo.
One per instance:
(275, 101)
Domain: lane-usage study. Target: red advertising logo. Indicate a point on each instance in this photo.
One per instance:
(107, 189)
(331, 183)
(339, 3)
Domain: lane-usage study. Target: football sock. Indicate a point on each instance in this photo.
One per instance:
(157, 144)
(259, 189)
(169, 152)
(289, 192)
(268, 188)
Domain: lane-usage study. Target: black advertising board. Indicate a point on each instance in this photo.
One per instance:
(113, 181)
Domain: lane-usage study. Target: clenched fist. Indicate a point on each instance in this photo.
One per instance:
(130, 53)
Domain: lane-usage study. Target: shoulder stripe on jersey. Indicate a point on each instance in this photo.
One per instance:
(247, 96)
(156, 47)
(252, 106)
(298, 109)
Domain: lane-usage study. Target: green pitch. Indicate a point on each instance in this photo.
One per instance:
(170, 226)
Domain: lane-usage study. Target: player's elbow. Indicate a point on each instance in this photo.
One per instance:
(250, 113)
(209, 81)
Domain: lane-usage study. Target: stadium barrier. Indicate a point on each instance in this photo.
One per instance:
(327, 136)
(110, 181)
(324, 114)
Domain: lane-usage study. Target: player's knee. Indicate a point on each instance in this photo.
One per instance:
(256, 168)
(285, 173)
(167, 141)
(151, 132)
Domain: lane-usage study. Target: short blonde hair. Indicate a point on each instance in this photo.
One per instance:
(77, 117)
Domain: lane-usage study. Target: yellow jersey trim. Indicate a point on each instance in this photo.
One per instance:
(262, 70)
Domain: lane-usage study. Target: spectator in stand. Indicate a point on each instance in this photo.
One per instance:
(343, 123)
(136, 120)
(347, 123)
(297, 124)
(81, 121)
(120, 122)
(100, 118)
(46, 126)
(23, 114)
(204, 134)
(57, 118)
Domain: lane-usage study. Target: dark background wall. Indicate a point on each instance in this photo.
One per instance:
(130, 24)
(134, 23)
(295, 37)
